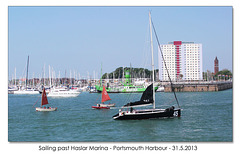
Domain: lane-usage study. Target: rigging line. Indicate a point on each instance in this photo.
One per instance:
(165, 64)
(97, 99)
(36, 101)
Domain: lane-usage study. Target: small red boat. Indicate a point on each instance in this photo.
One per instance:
(97, 107)
(105, 97)
(44, 102)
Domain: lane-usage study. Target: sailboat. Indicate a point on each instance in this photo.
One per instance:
(45, 102)
(148, 98)
(105, 97)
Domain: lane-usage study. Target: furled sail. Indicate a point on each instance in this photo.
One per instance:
(146, 99)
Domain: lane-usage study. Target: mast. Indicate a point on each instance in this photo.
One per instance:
(44, 75)
(27, 72)
(150, 22)
(33, 80)
(15, 78)
(50, 76)
(101, 76)
(59, 81)
(123, 73)
(165, 65)
(70, 77)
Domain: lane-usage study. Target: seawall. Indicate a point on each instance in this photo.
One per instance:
(198, 86)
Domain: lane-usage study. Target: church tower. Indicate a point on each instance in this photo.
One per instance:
(216, 67)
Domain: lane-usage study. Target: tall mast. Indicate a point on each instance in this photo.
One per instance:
(33, 80)
(123, 76)
(15, 78)
(59, 81)
(50, 79)
(44, 75)
(150, 22)
(70, 77)
(27, 72)
(101, 77)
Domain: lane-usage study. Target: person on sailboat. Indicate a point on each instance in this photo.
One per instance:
(131, 109)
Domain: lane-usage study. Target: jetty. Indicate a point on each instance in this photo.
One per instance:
(203, 86)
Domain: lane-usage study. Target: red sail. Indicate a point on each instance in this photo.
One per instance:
(44, 98)
(105, 96)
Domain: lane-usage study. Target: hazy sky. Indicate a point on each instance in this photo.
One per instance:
(81, 38)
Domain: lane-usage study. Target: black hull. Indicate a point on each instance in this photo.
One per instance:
(154, 114)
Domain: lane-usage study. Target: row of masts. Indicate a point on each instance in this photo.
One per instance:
(74, 80)
(54, 79)
(32, 82)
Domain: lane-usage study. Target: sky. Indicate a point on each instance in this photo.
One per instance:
(79, 39)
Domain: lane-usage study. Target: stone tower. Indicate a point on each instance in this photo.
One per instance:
(216, 67)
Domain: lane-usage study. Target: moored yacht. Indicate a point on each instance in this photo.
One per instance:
(28, 91)
(63, 92)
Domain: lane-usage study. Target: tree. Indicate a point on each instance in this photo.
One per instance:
(204, 76)
(223, 74)
(181, 76)
(134, 72)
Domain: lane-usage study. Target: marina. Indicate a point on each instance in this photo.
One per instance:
(115, 87)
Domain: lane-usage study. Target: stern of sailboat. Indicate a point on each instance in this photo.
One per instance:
(177, 112)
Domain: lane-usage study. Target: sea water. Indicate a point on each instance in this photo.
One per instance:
(206, 117)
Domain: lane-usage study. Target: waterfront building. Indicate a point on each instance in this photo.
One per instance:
(183, 60)
(216, 67)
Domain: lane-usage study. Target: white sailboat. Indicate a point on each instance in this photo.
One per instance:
(148, 98)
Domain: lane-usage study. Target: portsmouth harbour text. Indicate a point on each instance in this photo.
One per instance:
(118, 148)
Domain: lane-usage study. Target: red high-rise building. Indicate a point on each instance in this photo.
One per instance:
(216, 67)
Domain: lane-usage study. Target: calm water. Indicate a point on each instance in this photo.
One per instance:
(206, 116)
